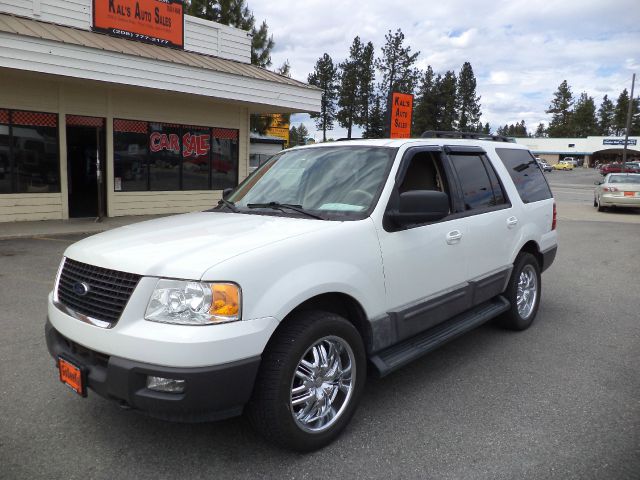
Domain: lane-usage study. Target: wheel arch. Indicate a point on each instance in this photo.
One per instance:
(533, 248)
(338, 303)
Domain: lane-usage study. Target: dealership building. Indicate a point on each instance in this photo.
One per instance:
(590, 149)
(126, 107)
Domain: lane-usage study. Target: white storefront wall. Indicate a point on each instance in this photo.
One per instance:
(67, 78)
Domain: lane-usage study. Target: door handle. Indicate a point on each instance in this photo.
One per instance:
(512, 222)
(454, 236)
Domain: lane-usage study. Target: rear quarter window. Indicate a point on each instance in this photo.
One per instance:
(526, 174)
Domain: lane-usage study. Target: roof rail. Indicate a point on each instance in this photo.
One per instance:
(472, 135)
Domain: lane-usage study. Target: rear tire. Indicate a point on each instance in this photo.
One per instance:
(310, 381)
(600, 207)
(523, 293)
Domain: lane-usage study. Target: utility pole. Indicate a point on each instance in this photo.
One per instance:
(626, 133)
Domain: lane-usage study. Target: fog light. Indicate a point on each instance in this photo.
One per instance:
(169, 385)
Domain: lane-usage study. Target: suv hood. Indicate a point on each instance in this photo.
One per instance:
(185, 246)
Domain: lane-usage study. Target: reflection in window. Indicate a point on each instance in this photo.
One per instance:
(196, 149)
(525, 173)
(169, 157)
(130, 148)
(164, 156)
(224, 158)
(475, 182)
(29, 161)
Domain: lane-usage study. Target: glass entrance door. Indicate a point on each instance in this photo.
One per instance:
(86, 166)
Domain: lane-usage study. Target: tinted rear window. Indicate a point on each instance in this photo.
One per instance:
(526, 174)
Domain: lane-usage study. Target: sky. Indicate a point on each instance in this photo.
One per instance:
(520, 51)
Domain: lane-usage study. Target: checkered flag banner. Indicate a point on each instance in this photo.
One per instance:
(130, 126)
(34, 119)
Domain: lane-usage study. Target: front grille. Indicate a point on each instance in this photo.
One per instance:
(108, 292)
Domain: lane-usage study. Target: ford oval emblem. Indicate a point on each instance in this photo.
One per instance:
(81, 288)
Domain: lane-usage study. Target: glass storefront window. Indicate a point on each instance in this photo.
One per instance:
(130, 149)
(196, 157)
(224, 158)
(168, 157)
(5, 159)
(164, 156)
(29, 158)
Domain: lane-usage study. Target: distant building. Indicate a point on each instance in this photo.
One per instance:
(591, 150)
(262, 148)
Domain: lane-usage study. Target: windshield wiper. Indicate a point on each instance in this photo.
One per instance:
(230, 205)
(283, 206)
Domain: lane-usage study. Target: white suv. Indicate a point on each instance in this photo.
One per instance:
(326, 261)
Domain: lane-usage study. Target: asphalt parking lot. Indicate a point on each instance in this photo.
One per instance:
(560, 400)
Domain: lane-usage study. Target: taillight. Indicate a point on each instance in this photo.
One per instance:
(610, 189)
(555, 217)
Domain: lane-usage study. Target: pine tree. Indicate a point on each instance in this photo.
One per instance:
(446, 107)
(468, 104)
(620, 114)
(376, 125)
(541, 131)
(293, 136)
(348, 93)
(605, 117)
(426, 105)
(560, 109)
(324, 77)
(396, 66)
(585, 122)
(237, 14)
(366, 88)
(303, 134)
(635, 117)
(486, 129)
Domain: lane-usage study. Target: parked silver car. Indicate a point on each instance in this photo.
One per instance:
(617, 190)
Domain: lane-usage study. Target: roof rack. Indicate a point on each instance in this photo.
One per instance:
(470, 135)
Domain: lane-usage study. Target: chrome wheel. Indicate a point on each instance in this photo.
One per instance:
(527, 292)
(322, 384)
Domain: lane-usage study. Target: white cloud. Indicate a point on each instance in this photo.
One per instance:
(520, 50)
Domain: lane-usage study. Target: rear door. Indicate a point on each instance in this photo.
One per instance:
(490, 222)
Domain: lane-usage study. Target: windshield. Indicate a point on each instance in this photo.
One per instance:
(336, 181)
(624, 179)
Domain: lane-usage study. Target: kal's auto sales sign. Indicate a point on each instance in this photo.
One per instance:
(160, 22)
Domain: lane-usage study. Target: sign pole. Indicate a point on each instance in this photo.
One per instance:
(626, 133)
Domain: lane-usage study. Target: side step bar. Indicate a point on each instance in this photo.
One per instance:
(396, 356)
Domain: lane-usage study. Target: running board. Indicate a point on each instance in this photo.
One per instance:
(398, 355)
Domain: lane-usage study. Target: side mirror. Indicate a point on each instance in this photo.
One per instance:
(421, 206)
(226, 192)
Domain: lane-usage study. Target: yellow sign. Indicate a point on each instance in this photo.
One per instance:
(279, 128)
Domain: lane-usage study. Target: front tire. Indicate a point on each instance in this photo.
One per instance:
(523, 292)
(310, 381)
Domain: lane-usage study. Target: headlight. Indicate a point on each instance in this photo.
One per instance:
(194, 303)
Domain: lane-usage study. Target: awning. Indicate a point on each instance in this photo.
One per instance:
(37, 46)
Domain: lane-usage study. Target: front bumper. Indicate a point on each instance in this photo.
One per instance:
(211, 393)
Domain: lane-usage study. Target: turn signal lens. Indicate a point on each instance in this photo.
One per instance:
(226, 301)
